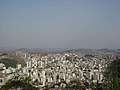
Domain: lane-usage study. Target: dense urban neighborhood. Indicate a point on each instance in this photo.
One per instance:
(58, 71)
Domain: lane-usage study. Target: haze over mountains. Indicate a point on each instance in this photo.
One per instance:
(81, 50)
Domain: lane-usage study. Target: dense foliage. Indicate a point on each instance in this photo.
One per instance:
(18, 84)
(113, 75)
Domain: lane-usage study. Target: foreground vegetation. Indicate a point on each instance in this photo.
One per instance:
(113, 75)
(20, 84)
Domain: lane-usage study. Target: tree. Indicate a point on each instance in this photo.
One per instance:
(15, 84)
(113, 75)
(75, 84)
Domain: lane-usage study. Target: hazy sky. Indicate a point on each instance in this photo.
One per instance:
(60, 23)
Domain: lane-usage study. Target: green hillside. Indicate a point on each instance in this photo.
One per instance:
(9, 62)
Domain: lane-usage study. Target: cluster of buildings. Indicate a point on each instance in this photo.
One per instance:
(57, 67)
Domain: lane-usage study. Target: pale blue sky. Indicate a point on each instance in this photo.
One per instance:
(60, 23)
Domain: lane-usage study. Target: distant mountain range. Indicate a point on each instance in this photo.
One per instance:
(7, 49)
(81, 50)
(90, 51)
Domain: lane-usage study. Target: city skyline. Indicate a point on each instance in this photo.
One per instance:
(60, 24)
